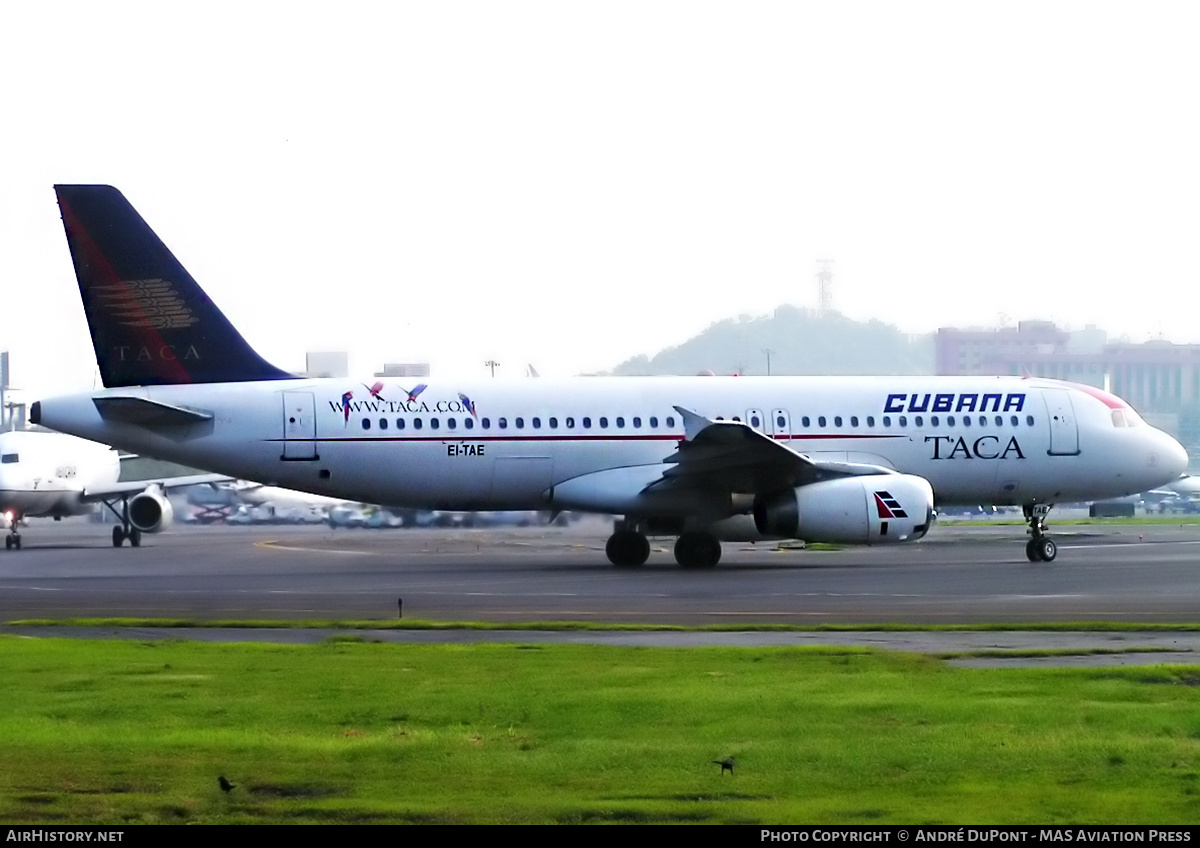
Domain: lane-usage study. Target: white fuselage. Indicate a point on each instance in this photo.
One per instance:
(508, 445)
(46, 474)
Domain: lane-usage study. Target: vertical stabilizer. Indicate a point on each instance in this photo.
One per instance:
(151, 323)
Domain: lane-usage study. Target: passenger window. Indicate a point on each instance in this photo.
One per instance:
(920, 422)
(999, 421)
(620, 422)
(837, 421)
(949, 420)
(433, 423)
(416, 423)
(780, 422)
(654, 422)
(1015, 421)
(486, 423)
(570, 423)
(1029, 420)
(604, 422)
(537, 423)
(670, 420)
(587, 422)
(887, 421)
(382, 423)
(966, 420)
(821, 421)
(553, 423)
(366, 423)
(399, 423)
(519, 423)
(637, 423)
(870, 420)
(502, 423)
(903, 421)
(804, 421)
(450, 423)
(853, 420)
(469, 423)
(933, 421)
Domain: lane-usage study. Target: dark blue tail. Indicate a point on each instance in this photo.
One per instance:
(151, 323)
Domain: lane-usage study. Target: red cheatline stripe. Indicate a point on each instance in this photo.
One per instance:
(459, 436)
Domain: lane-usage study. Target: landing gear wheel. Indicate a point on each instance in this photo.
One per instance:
(135, 538)
(697, 550)
(118, 536)
(1046, 550)
(627, 549)
(1031, 551)
(8, 543)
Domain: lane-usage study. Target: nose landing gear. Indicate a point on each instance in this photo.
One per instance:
(1040, 548)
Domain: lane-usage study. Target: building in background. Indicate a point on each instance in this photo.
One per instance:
(327, 364)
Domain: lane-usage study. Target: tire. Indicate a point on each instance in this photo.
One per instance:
(1047, 550)
(697, 550)
(627, 549)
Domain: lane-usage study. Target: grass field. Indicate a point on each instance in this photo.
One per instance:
(348, 731)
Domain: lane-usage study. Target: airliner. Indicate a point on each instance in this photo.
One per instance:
(55, 475)
(703, 459)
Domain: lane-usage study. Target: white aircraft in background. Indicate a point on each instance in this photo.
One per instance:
(54, 475)
(838, 459)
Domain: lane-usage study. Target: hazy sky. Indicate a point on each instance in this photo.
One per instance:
(569, 184)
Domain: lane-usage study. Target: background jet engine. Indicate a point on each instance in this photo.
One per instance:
(873, 509)
(150, 511)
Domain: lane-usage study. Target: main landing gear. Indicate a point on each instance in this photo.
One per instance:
(124, 530)
(1040, 548)
(628, 547)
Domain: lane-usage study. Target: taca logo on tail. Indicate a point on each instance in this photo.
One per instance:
(151, 323)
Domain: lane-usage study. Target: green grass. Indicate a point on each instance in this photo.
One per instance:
(127, 732)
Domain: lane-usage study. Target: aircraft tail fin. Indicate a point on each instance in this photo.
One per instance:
(151, 323)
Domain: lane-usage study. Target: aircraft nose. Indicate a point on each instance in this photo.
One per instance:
(1172, 458)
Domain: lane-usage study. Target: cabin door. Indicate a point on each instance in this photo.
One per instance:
(299, 426)
(1064, 434)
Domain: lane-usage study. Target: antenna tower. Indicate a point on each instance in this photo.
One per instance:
(824, 287)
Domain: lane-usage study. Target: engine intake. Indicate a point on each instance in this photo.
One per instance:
(150, 511)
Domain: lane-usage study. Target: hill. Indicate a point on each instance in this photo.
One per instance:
(800, 341)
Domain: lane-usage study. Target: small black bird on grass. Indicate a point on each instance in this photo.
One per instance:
(225, 785)
(726, 764)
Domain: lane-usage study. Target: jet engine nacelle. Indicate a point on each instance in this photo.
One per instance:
(150, 511)
(872, 509)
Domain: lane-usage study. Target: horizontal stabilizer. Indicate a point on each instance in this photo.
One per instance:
(148, 413)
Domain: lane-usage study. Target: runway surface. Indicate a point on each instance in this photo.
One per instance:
(957, 575)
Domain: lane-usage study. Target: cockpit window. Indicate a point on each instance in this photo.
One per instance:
(10, 457)
(1126, 418)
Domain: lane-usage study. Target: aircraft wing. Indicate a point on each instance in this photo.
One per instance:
(100, 493)
(731, 456)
